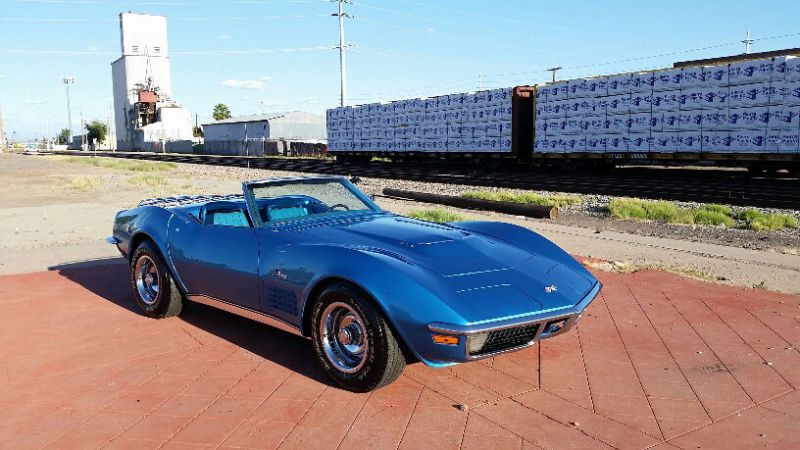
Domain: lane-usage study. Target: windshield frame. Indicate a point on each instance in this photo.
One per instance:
(248, 188)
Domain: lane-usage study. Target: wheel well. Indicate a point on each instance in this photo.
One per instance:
(137, 240)
(323, 284)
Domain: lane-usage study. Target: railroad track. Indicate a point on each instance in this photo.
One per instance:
(701, 186)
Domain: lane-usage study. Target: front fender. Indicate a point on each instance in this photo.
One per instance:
(146, 222)
(407, 294)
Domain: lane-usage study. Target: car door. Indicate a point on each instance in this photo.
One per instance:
(282, 281)
(216, 260)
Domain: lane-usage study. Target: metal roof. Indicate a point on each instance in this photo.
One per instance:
(266, 117)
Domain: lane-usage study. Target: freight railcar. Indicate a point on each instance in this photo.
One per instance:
(742, 110)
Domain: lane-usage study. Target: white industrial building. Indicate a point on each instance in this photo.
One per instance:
(284, 133)
(145, 114)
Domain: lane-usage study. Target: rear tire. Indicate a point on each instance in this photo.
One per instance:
(153, 287)
(352, 341)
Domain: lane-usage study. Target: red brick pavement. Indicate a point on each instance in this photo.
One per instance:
(657, 361)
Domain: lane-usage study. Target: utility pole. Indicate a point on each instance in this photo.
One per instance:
(83, 135)
(67, 81)
(2, 130)
(342, 65)
(2, 133)
(747, 41)
(554, 70)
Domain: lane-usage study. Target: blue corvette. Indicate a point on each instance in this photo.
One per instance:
(372, 290)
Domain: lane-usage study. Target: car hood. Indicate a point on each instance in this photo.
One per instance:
(490, 275)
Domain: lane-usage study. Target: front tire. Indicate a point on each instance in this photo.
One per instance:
(353, 343)
(153, 287)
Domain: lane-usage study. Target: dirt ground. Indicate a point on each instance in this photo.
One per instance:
(54, 210)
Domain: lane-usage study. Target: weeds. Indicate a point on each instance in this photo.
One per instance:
(436, 215)
(527, 198)
(716, 215)
(754, 219)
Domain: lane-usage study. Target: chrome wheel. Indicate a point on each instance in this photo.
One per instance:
(146, 273)
(344, 337)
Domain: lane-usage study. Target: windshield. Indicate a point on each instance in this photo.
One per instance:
(299, 199)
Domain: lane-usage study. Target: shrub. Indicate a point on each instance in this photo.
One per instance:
(706, 217)
(756, 220)
(625, 208)
(436, 215)
(722, 209)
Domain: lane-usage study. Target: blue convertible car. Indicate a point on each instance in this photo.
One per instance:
(372, 290)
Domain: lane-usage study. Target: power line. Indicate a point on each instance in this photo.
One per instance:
(169, 3)
(467, 13)
(172, 18)
(449, 36)
(455, 24)
(256, 51)
(397, 93)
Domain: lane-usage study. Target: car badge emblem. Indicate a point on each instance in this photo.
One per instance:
(550, 289)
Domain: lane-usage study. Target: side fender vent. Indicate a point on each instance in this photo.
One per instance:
(282, 300)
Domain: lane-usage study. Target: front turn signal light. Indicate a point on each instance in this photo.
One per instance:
(445, 339)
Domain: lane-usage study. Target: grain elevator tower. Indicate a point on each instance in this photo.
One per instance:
(145, 114)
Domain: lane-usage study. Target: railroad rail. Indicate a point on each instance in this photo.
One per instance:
(707, 186)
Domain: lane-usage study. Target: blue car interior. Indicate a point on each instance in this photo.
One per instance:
(229, 214)
(233, 213)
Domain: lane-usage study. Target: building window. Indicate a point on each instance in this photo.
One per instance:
(157, 49)
(135, 48)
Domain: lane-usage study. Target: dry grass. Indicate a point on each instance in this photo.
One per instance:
(85, 183)
(628, 267)
(120, 164)
(148, 180)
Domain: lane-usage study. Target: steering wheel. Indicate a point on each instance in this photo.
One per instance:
(339, 205)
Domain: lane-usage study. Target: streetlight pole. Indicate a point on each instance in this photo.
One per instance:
(67, 81)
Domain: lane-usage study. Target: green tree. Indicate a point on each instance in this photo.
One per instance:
(221, 112)
(96, 132)
(63, 136)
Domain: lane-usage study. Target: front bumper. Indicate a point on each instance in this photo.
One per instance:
(519, 332)
(116, 242)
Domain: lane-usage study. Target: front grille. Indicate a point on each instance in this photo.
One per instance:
(507, 338)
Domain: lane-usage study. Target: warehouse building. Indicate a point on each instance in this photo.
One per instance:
(291, 133)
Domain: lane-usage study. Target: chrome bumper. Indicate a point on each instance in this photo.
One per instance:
(565, 318)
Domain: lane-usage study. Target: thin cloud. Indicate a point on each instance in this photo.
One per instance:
(247, 84)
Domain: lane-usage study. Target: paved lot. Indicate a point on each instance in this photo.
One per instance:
(658, 361)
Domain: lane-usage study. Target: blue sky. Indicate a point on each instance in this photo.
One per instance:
(221, 50)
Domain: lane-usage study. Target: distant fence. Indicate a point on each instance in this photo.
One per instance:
(259, 147)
